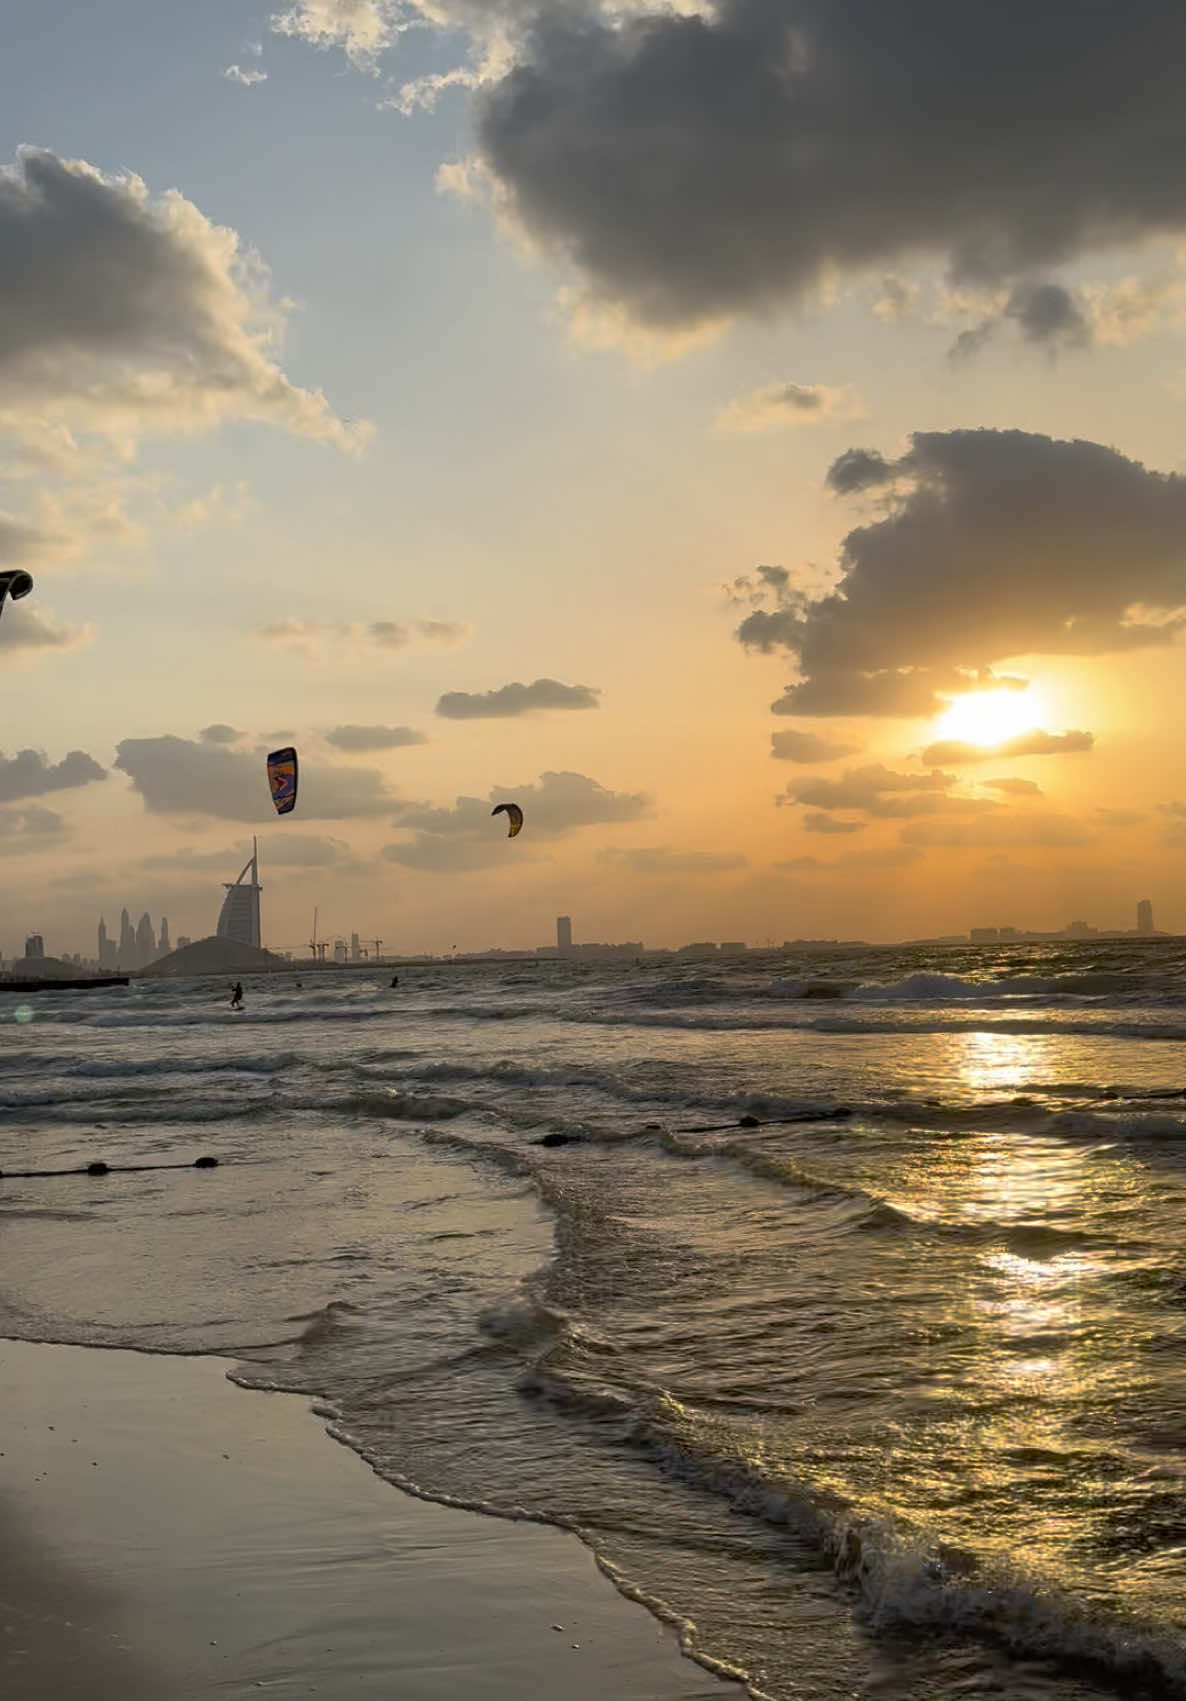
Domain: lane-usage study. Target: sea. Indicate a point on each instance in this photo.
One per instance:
(846, 1325)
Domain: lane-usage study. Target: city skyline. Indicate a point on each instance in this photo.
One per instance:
(342, 949)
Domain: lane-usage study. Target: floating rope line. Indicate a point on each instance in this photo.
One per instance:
(100, 1168)
(837, 1113)
(839, 1110)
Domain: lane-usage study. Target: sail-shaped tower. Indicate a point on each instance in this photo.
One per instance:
(239, 919)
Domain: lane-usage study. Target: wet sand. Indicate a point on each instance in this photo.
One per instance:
(168, 1536)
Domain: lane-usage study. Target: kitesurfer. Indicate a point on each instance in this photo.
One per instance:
(237, 995)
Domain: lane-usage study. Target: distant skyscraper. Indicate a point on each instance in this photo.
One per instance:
(239, 919)
(127, 942)
(1145, 916)
(104, 942)
(34, 945)
(145, 941)
(163, 945)
(564, 934)
(355, 949)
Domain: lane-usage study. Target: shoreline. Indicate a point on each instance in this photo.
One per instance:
(172, 1536)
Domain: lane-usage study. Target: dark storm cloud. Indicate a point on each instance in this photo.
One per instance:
(516, 699)
(805, 747)
(991, 544)
(698, 166)
(373, 737)
(182, 777)
(30, 773)
(1036, 743)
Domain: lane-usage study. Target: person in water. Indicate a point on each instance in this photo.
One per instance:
(395, 980)
(237, 996)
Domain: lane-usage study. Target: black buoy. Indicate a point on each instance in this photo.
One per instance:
(748, 1122)
(205, 1163)
(98, 1168)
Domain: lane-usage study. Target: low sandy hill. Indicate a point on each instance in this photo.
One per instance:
(213, 957)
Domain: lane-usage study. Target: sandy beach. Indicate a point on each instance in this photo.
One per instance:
(171, 1536)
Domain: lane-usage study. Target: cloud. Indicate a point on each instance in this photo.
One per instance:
(864, 788)
(362, 27)
(816, 822)
(991, 544)
(795, 746)
(302, 850)
(908, 693)
(999, 830)
(892, 856)
(248, 78)
(31, 774)
(1120, 817)
(219, 733)
(661, 860)
(177, 776)
(895, 298)
(1175, 833)
(431, 855)
(704, 162)
(373, 737)
(790, 404)
(516, 699)
(465, 837)
(1046, 314)
(316, 638)
(1014, 787)
(30, 829)
(1051, 316)
(121, 313)
(23, 545)
(286, 850)
(29, 629)
(1036, 743)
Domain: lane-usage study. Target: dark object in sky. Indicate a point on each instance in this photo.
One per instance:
(513, 814)
(282, 777)
(14, 584)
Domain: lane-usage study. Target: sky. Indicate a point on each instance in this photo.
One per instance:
(750, 435)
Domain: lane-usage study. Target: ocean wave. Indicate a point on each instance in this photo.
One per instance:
(905, 1578)
(989, 1022)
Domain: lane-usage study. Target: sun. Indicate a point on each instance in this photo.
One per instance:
(990, 717)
